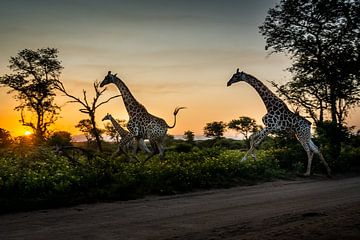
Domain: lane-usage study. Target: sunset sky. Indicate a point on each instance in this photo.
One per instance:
(169, 53)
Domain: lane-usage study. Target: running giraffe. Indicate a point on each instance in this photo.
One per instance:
(279, 118)
(125, 135)
(142, 124)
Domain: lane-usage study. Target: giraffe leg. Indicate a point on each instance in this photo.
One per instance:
(118, 151)
(161, 150)
(305, 142)
(251, 149)
(316, 150)
(255, 140)
(133, 145)
(310, 155)
(155, 150)
(122, 144)
(143, 146)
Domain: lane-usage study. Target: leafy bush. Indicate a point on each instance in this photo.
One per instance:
(60, 138)
(38, 177)
(44, 178)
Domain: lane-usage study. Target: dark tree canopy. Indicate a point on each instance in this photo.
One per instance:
(86, 127)
(60, 138)
(214, 129)
(189, 136)
(5, 138)
(244, 125)
(32, 81)
(323, 38)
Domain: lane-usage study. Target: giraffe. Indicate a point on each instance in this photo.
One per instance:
(141, 124)
(279, 118)
(124, 134)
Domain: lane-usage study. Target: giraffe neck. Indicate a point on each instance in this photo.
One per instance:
(117, 126)
(132, 106)
(269, 98)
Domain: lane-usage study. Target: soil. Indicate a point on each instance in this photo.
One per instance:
(315, 208)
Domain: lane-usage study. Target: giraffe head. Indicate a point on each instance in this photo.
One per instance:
(107, 117)
(237, 77)
(109, 78)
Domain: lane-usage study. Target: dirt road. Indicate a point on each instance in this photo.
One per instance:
(316, 208)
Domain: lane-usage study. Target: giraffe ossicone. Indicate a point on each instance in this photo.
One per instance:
(279, 118)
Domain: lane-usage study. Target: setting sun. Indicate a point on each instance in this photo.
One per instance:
(27, 133)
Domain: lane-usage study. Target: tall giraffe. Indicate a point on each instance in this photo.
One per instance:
(125, 135)
(279, 118)
(141, 124)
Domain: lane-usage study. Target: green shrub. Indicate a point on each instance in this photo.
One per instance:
(41, 176)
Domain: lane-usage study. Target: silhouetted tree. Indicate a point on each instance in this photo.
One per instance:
(88, 108)
(32, 82)
(189, 136)
(60, 138)
(5, 138)
(85, 126)
(214, 129)
(245, 126)
(323, 38)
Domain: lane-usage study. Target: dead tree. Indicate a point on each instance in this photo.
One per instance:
(86, 107)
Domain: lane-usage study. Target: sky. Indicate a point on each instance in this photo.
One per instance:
(169, 53)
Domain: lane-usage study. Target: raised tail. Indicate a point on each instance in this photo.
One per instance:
(177, 109)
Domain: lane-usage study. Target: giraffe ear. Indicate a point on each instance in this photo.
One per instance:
(237, 70)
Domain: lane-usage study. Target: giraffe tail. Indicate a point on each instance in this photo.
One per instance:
(177, 109)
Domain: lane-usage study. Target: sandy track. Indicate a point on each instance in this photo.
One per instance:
(317, 208)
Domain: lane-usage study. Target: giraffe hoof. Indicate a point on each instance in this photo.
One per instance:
(306, 175)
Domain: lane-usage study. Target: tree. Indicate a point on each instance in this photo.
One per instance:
(32, 82)
(60, 138)
(189, 136)
(88, 108)
(323, 38)
(245, 126)
(86, 127)
(214, 129)
(5, 138)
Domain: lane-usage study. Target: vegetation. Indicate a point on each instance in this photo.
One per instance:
(47, 169)
(88, 126)
(40, 177)
(215, 129)
(245, 126)
(322, 38)
(189, 136)
(35, 73)
(5, 138)
(43, 176)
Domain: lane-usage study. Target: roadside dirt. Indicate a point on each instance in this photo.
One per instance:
(316, 208)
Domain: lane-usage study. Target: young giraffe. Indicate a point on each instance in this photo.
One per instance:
(279, 118)
(124, 134)
(142, 125)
